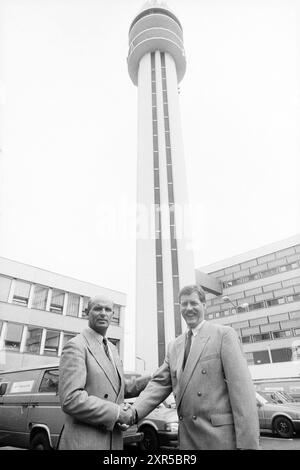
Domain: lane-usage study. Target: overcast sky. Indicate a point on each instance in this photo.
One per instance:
(69, 136)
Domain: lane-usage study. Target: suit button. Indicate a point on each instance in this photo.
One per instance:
(199, 394)
(106, 395)
(181, 418)
(203, 371)
(194, 417)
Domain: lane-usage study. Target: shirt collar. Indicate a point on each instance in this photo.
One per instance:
(195, 330)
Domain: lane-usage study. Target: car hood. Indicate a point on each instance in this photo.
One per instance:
(166, 414)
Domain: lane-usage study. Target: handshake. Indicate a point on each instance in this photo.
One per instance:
(127, 417)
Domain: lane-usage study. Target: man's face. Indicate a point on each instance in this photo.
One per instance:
(192, 309)
(100, 314)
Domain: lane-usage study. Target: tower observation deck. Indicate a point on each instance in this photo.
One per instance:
(155, 28)
(164, 260)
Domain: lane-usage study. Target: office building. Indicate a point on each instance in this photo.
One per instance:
(261, 300)
(41, 310)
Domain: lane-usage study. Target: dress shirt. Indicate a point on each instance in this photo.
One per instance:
(195, 330)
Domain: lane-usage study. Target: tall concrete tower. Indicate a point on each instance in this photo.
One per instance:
(156, 64)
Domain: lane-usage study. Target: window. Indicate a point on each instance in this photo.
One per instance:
(5, 284)
(13, 336)
(116, 315)
(57, 301)
(246, 339)
(281, 355)
(21, 293)
(269, 272)
(156, 178)
(49, 383)
(256, 306)
(85, 301)
(73, 305)
(67, 337)
(272, 302)
(51, 343)
(282, 334)
(249, 357)
(159, 271)
(241, 309)
(33, 340)
(40, 295)
(261, 337)
(261, 357)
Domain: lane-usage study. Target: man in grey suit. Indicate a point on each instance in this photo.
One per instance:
(208, 374)
(92, 386)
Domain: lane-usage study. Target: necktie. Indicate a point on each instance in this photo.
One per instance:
(187, 348)
(105, 346)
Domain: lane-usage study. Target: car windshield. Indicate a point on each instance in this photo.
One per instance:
(281, 396)
(264, 398)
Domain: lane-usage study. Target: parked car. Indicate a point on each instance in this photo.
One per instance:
(282, 418)
(280, 396)
(160, 427)
(30, 412)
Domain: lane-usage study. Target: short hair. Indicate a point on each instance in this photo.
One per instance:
(188, 290)
(91, 302)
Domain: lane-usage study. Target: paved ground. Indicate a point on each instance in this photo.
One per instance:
(272, 443)
(267, 442)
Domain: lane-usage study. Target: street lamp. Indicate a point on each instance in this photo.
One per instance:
(141, 359)
(227, 299)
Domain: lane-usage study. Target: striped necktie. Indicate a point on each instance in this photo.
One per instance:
(105, 347)
(187, 347)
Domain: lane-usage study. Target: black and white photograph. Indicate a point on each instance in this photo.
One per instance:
(149, 228)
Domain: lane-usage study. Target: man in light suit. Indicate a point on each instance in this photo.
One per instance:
(213, 390)
(92, 385)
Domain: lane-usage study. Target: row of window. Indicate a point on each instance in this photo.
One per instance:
(266, 356)
(174, 252)
(272, 327)
(262, 274)
(32, 339)
(45, 298)
(254, 306)
(271, 335)
(158, 243)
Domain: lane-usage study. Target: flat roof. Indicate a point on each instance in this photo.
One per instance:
(251, 254)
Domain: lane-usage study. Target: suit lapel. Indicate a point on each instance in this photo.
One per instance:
(120, 376)
(96, 350)
(199, 343)
(179, 354)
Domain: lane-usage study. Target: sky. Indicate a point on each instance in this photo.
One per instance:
(69, 133)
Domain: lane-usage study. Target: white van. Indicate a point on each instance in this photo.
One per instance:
(30, 411)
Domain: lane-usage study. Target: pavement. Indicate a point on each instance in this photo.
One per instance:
(267, 442)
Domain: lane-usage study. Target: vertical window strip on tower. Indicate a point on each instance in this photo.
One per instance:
(158, 241)
(174, 252)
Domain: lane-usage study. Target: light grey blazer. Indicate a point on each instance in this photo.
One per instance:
(215, 396)
(90, 391)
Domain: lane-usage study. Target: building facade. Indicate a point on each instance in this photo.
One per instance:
(261, 300)
(156, 64)
(41, 310)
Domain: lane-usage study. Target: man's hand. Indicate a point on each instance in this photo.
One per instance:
(126, 417)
